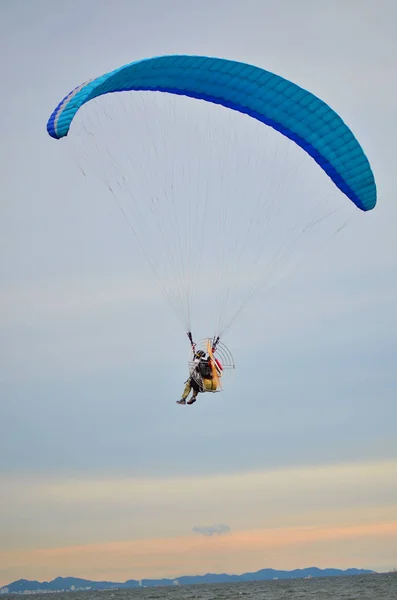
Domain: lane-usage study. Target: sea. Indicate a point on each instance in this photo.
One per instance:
(358, 587)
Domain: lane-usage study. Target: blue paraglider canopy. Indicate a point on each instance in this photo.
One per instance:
(269, 98)
(218, 202)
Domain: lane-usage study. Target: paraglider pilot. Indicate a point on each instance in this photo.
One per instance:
(200, 369)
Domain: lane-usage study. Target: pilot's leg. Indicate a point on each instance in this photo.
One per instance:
(186, 392)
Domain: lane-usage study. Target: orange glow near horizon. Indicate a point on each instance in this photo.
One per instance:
(330, 516)
(236, 552)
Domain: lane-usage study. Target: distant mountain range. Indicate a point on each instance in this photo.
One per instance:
(69, 584)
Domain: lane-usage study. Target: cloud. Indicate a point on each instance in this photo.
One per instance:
(219, 529)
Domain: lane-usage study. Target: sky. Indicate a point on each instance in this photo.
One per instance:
(102, 474)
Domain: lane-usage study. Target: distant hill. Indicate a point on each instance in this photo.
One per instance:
(69, 584)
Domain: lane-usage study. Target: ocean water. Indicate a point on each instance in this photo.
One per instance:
(365, 587)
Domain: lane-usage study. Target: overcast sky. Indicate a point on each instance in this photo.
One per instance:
(102, 474)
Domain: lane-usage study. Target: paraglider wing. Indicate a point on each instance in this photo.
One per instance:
(269, 98)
